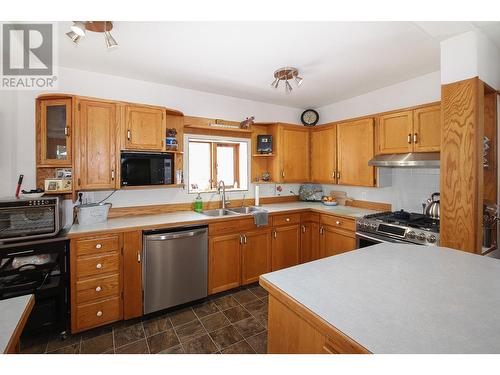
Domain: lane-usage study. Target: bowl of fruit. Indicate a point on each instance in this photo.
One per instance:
(329, 201)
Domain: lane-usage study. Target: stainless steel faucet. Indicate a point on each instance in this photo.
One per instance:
(222, 186)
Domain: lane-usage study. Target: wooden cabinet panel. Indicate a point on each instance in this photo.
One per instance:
(255, 255)
(97, 288)
(309, 242)
(333, 241)
(285, 247)
(224, 263)
(55, 121)
(145, 128)
(338, 222)
(97, 245)
(132, 274)
(97, 265)
(294, 157)
(289, 333)
(427, 129)
(395, 132)
(95, 143)
(355, 144)
(98, 313)
(324, 155)
(286, 219)
(230, 226)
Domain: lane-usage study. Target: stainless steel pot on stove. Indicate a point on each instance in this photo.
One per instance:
(432, 206)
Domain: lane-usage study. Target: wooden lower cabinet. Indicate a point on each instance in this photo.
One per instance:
(132, 274)
(309, 238)
(96, 281)
(224, 262)
(335, 241)
(294, 329)
(255, 255)
(285, 247)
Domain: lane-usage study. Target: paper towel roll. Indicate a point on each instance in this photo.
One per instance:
(257, 193)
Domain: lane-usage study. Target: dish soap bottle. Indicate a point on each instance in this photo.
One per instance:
(198, 203)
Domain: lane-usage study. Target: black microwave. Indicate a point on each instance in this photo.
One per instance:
(140, 169)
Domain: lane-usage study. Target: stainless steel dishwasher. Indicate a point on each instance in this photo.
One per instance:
(174, 267)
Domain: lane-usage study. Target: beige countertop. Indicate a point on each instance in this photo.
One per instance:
(181, 218)
(13, 318)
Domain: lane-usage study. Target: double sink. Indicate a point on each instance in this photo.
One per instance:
(231, 211)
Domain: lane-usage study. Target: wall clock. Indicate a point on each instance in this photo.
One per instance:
(309, 117)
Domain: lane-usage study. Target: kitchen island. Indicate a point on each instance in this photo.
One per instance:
(386, 298)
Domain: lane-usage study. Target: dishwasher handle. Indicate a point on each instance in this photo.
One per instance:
(174, 235)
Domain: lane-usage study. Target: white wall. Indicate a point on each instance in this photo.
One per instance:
(419, 90)
(469, 55)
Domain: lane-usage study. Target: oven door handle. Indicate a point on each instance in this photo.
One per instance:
(378, 239)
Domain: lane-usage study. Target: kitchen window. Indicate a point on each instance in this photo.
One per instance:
(214, 160)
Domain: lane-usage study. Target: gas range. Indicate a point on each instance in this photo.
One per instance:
(399, 226)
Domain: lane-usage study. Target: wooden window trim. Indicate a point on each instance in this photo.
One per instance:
(213, 161)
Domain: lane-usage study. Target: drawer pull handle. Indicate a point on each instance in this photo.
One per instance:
(287, 219)
(98, 289)
(98, 266)
(99, 313)
(98, 246)
(338, 222)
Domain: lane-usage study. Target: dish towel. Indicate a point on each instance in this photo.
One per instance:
(260, 218)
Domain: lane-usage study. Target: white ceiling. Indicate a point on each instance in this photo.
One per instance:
(338, 60)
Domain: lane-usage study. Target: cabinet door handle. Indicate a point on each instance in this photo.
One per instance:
(129, 135)
(98, 289)
(66, 131)
(99, 313)
(244, 239)
(138, 257)
(409, 138)
(287, 219)
(338, 175)
(415, 138)
(321, 230)
(303, 228)
(98, 266)
(338, 222)
(275, 234)
(334, 174)
(241, 239)
(113, 175)
(283, 174)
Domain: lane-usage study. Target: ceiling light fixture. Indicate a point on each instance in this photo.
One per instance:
(79, 28)
(75, 38)
(285, 74)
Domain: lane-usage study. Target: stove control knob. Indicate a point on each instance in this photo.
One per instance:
(421, 237)
(410, 235)
(373, 226)
(431, 238)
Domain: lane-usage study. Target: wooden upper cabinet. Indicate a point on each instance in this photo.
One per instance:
(95, 143)
(145, 128)
(294, 154)
(255, 255)
(324, 155)
(55, 120)
(355, 145)
(395, 132)
(427, 129)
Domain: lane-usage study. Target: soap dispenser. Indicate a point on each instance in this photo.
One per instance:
(198, 203)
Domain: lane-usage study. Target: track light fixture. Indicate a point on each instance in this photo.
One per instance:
(79, 30)
(286, 74)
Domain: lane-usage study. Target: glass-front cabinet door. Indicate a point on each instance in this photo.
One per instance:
(55, 132)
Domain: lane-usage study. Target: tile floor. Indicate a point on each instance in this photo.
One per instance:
(233, 322)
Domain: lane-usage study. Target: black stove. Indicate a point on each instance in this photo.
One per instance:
(400, 226)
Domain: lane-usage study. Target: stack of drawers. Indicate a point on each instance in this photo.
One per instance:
(96, 282)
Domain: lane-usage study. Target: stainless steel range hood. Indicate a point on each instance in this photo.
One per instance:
(412, 159)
